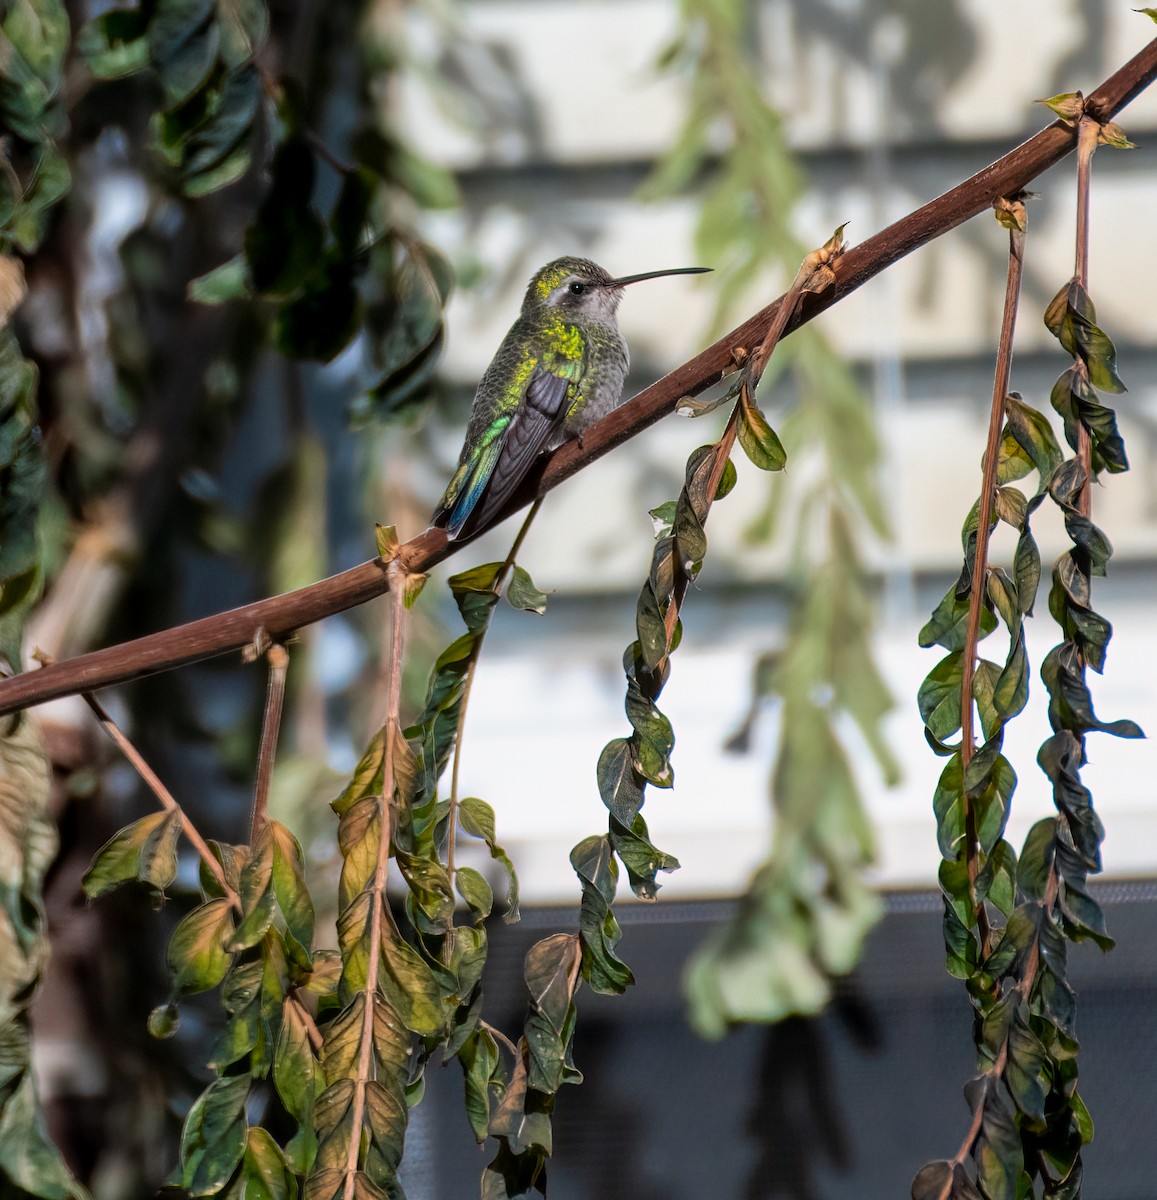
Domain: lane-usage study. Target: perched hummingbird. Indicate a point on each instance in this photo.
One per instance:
(559, 369)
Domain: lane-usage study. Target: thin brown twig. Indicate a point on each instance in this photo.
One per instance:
(753, 367)
(397, 582)
(979, 591)
(468, 683)
(1088, 131)
(163, 795)
(281, 615)
(278, 658)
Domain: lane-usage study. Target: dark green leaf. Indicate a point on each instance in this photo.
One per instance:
(479, 1058)
(619, 784)
(114, 43)
(939, 697)
(229, 281)
(183, 41)
(213, 1137)
(295, 1072)
(477, 819)
(474, 889)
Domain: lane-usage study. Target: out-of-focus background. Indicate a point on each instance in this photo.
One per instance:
(550, 127)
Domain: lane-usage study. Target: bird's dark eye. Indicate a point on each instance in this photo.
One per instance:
(577, 289)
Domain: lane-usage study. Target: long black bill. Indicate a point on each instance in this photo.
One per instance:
(625, 279)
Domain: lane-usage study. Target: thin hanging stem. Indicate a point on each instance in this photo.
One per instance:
(1088, 131)
(278, 658)
(468, 683)
(979, 591)
(164, 796)
(377, 888)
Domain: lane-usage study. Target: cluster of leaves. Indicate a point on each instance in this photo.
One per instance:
(1008, 920)
(203, 56)
(809, 907)
(325, 277)
(251, 935)
(430, 979)
(29, 1163)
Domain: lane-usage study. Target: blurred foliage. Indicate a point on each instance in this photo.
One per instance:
(809, 907)
(235, 155)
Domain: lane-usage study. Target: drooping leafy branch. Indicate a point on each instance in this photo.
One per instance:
(1008, 920)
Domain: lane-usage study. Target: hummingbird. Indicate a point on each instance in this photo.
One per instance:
(560, 368)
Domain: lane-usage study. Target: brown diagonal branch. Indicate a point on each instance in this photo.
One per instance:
(281, 615)
(1016, 238)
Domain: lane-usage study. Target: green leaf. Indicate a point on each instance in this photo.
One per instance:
(244, 26)
(213, 1138)
(552, 973)
(322, 318)
(252, 926)
(594, 862)
(197, 956)
(164, 1020)
(1035, 866)
(522, 593)
(939, 697)
(411, 987)
(145, 851)
(477, 818)
(727, 480)
(474, 889)
(949, 622)
(295, 1072)
(30, 1165)
(479, 1058)
(266, 1173)
(1026, 572)
(114, 43)
(1034, 435)
(619, 784)
(229, 281)
(1028, 1072)
(289, 887)
(1071, 318)
(640, 856)
(948, 805)
(183, 40)
(756, 436)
